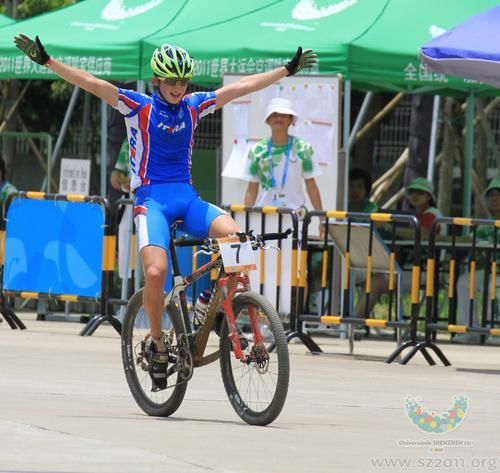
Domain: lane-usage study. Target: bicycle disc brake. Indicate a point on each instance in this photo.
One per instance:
(260, 357)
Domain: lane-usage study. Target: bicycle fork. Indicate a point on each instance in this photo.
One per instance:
(231, 285)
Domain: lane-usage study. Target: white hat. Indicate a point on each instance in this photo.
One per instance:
(279, 105)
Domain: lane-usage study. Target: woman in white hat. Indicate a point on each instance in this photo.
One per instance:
(280, 164)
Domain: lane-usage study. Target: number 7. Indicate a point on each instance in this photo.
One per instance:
(238, 248)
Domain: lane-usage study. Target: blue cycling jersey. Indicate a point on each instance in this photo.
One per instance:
(161, 135)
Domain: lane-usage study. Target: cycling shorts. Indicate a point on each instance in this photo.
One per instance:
(158, 206)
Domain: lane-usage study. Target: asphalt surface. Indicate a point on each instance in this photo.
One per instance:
(65, 407)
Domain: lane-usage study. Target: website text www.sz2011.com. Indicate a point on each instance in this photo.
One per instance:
(436, 463)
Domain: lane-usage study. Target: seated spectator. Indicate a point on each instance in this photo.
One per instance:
(485, 234)
(6, 188)
(360, 186)
(421, 197)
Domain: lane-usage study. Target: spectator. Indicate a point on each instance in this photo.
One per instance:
(421, 197)
(485, 234)
(120, 176)
(278, 166)
(360, 187)
(6, 188)
(120, 181)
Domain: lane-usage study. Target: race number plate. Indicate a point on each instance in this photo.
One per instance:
(236, 256)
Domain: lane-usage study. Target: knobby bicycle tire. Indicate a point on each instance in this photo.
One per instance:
(162, 403)
(271, 379)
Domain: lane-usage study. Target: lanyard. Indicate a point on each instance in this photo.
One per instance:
(285, 171)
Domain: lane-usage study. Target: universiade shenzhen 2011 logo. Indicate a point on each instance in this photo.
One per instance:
(435, 422)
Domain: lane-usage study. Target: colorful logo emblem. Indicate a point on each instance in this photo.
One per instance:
(437, 422)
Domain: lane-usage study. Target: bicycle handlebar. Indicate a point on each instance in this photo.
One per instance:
(276, 236)
(254, 239)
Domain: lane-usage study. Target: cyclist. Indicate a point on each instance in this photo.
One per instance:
(160, 131)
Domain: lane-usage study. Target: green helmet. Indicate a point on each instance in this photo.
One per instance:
(171, 61)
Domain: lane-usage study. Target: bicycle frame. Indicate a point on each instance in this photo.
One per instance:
(226, 286)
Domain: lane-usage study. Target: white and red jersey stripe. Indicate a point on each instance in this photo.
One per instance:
(161, 135)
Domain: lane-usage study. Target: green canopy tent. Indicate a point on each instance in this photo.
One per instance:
(100, 37)
(267, 37)
(104, 37)
(5, 20)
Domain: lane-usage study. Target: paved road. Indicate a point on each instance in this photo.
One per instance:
(65, 407)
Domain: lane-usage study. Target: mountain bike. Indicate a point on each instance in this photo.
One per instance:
(252, 348)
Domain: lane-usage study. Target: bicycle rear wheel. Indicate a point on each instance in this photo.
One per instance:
(135, 363)
(257, 388)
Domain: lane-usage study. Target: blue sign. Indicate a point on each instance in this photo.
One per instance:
(54, 247)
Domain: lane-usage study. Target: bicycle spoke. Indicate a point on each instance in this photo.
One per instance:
(259, 381)
(136, 358)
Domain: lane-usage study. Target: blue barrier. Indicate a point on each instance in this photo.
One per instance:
(54, 247)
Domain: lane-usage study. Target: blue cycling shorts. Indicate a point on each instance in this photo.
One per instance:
(157, 206)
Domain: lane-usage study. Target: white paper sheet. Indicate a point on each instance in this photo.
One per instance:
(237, 164)
(241, 115)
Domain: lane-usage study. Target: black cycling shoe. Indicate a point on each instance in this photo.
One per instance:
(158, 364)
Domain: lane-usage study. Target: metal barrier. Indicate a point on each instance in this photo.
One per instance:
(30, 289)
(108, 272)
(489, 287)
(345, 317)
(258, 219)
(9, 315)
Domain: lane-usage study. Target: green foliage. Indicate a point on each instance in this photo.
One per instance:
(29, 8)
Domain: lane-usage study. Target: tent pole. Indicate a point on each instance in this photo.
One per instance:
(360, 118)
(346, 138)
(432, 146)
(469, 150)
(104, 147)
(53, 159)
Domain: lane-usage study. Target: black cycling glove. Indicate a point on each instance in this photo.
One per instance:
(33, 49)
(302, 60)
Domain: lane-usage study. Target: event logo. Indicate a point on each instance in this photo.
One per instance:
(436, 31)
(309, 10)
(117, 10)
(437, 422)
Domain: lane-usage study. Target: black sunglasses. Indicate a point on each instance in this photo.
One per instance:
(173, 81)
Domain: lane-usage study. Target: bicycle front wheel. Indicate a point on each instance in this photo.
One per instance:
(135, 331)
(257, 386)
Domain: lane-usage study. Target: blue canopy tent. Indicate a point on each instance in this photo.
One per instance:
(469, 50)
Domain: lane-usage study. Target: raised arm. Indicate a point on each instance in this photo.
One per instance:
(98, 87)
(302, 60)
